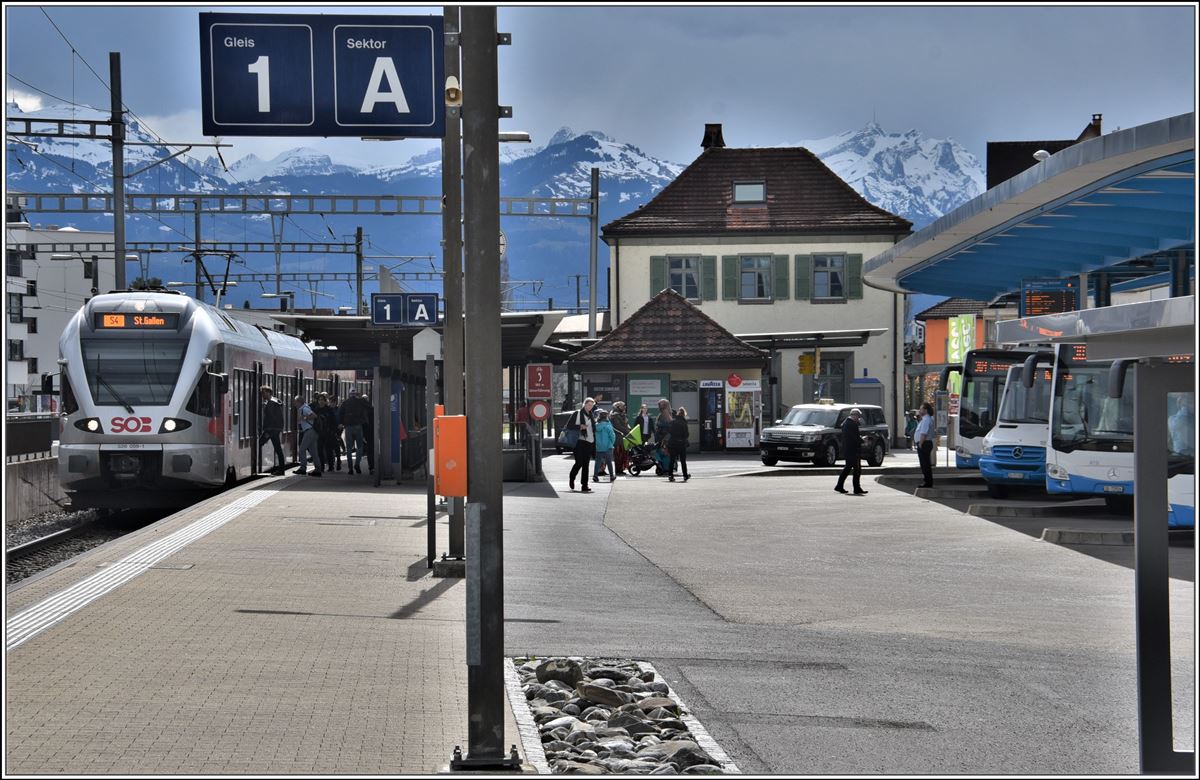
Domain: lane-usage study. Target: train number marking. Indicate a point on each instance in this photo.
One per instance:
(130, 425)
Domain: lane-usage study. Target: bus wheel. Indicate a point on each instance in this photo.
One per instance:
(1119, 505)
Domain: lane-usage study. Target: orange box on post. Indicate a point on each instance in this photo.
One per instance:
(450, 455)
(439, 410)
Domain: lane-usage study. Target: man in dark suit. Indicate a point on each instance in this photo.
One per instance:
(852, 449)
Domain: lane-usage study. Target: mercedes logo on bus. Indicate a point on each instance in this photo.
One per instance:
(1018, 452)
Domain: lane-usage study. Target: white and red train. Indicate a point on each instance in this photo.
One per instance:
(160, 398)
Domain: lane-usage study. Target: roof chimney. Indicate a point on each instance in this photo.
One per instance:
(1092, 130)
(712, 137)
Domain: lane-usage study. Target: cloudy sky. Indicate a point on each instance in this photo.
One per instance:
(653, 76)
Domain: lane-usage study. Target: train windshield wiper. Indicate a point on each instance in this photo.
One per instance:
(111, 390)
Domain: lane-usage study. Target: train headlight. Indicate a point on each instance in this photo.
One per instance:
(172, 424)
(90, 424)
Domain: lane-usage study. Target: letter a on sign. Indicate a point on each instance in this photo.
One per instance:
(384, 68)
(421, 314)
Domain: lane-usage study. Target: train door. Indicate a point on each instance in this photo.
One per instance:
(256, 418)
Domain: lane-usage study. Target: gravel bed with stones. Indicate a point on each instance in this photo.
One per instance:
(608, 716)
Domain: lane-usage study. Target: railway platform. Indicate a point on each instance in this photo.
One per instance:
(287, 626)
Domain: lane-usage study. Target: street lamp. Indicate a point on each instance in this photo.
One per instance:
(283, 296)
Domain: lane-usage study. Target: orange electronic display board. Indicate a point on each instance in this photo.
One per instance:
(1048, 297)
(114, 321)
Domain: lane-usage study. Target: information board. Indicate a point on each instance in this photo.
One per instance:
(404, 308)
(113, 321)
(322, 75)
(1049, 296)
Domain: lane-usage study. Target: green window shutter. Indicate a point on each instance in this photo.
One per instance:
(780, 284)
(729, 277)
(658, 275)
(803, 277)
(854, 282)
(708, 278)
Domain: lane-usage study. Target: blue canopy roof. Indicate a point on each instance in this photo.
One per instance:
(1091, 206)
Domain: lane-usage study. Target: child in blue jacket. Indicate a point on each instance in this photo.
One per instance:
(606, 440)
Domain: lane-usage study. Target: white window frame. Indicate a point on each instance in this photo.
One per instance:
(818, 272)
(765, 268)
(743, 199)
(690, 266)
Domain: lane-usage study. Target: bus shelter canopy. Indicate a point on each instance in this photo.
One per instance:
(1093, 205)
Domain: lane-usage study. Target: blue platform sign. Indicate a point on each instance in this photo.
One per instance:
(418, 309)
(319, 75)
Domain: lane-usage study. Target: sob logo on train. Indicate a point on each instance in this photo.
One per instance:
(130, 425)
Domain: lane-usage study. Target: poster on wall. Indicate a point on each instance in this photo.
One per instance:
(743, 412)
(605, 388)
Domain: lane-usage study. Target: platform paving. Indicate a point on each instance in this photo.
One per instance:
(814, 633)
(304, 636)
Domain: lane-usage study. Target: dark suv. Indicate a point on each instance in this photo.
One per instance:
(814, 432)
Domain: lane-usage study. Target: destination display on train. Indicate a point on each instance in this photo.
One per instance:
(137, 321)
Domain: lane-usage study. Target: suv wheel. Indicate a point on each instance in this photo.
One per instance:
(769, 461)
(875, 457)
(827, 456)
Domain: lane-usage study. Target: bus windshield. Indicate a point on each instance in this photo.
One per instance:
(1026, 404)
(139, 372)
(977, 405)
(1085, 418)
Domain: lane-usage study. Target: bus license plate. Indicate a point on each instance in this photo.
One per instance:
(1114, 488)
(1016, 475)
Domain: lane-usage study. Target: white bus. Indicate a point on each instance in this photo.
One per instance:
(1090, 448)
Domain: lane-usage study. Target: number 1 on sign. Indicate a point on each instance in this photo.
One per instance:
(261, 67)
(387, 311)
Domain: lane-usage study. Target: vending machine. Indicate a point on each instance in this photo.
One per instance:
(712, 415)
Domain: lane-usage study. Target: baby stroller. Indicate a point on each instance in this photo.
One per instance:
(646, 456)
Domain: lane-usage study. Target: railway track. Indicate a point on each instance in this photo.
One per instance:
(25, 560)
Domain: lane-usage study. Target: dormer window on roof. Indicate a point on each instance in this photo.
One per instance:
(749, 192)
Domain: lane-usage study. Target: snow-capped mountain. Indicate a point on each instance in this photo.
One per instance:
(908, 174)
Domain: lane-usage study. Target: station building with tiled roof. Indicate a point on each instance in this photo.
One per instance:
(770, 242)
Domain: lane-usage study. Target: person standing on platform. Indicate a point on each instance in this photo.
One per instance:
(606, 440)
(354, 418)
(306, 419)
(272, 425)
(620, 423)
(327, 432)
(852, 451)
(585, 447)
(644, 423)
(677, 444)
(924, 439)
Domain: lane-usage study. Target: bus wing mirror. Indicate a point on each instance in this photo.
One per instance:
(1029, 369)
(1116, 377)
(945, 380)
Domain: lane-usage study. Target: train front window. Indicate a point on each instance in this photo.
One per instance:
(137, 372)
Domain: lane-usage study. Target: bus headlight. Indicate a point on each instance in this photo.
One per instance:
(172, 424)
(1055, 471)
(987, 448)
(91, 425)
